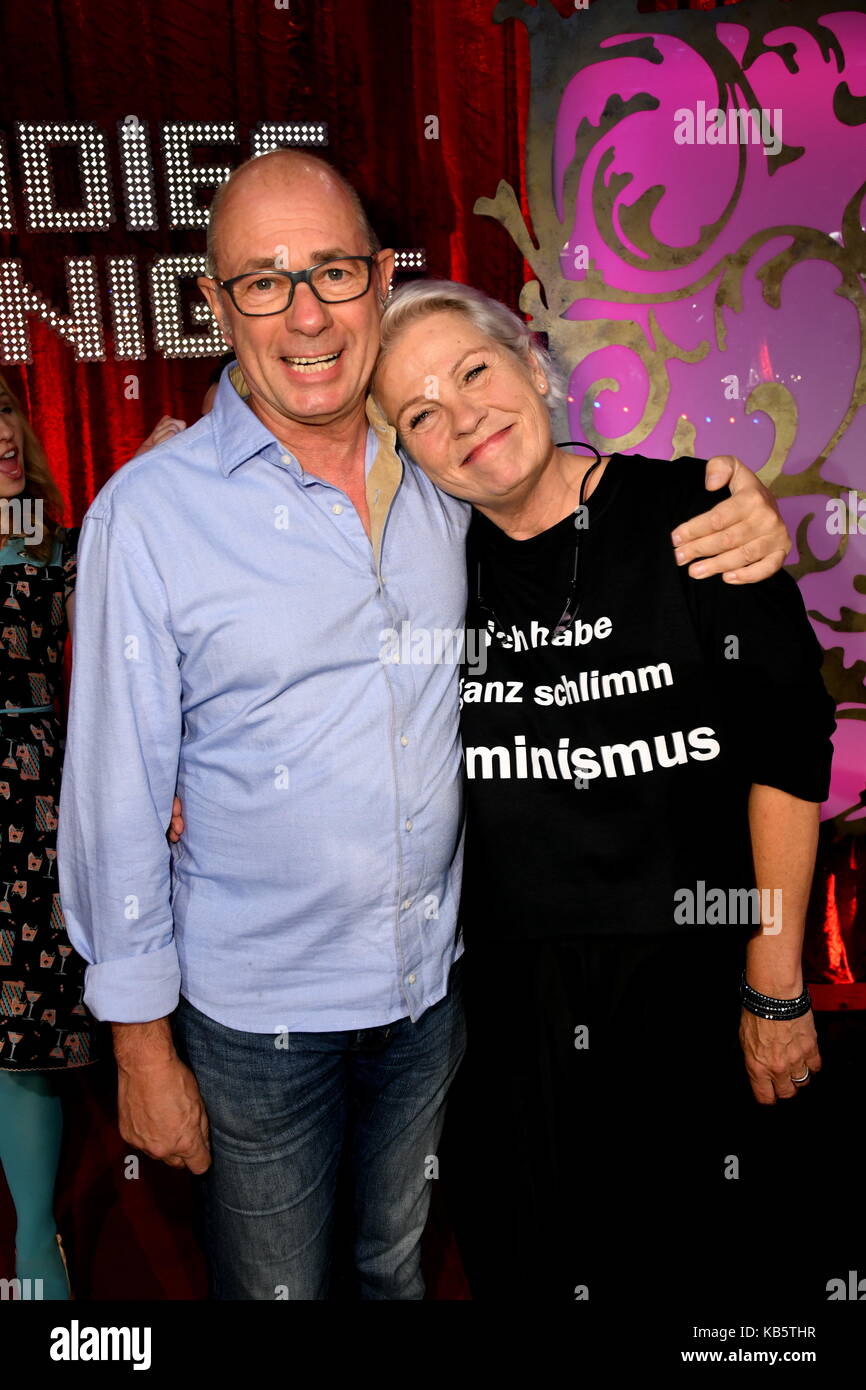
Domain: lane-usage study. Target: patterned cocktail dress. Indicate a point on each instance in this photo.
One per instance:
(44, 1023)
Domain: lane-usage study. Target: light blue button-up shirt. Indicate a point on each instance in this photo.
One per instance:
(229, 623)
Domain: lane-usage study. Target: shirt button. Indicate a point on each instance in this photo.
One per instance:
(286, 458)
(407, 904)
(408, 825)
(337, 509)
(410, 979)
(404, 740)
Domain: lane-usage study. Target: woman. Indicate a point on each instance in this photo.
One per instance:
(45, 1027)
(642, 752)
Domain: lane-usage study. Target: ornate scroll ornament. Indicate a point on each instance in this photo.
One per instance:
(561, 49)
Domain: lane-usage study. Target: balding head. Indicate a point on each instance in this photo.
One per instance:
(293, 170)
(309, 363)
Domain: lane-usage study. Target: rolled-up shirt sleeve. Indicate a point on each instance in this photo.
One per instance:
(119, 777)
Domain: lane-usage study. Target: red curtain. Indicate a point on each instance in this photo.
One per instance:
(372, 71)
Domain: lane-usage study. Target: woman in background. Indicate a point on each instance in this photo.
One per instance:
(45, 1027)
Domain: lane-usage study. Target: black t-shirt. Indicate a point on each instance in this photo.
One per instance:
(609, 768)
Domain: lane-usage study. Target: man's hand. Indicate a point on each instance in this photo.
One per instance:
(176, 824)
(776, 1051)
(744, 536)
(163, 430)
(159, 1105)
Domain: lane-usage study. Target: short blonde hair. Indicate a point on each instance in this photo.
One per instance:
(422, 297)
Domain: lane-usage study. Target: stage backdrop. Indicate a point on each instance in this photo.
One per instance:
(152, 102)
(680, 199)
(696, 191)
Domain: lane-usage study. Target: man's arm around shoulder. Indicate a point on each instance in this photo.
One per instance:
(743, 538)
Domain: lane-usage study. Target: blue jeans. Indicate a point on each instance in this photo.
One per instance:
(285, 1119)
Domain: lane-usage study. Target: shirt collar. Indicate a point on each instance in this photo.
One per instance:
(386, 434)
(239, 434)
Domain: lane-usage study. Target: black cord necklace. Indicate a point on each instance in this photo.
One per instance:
(572, 608)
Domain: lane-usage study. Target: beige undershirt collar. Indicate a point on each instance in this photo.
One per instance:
(386, 470)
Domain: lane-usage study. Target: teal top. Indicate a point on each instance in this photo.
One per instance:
(14, 552)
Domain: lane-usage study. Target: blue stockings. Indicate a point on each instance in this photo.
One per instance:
(31, 1124)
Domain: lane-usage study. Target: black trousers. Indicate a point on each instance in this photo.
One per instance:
(602, 1139)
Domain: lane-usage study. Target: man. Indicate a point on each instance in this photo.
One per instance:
(302, 938)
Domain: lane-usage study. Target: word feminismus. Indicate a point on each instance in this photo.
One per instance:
(611, 760)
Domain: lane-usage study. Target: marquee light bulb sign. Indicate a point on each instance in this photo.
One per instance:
(183, 179)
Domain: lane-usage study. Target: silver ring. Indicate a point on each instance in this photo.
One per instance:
(798, 1080)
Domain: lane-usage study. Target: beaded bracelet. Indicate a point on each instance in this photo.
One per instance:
(764, 1006)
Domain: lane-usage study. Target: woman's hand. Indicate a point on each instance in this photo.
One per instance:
(776, 1051)
(176, 824)
(744, 537)
(162, 430)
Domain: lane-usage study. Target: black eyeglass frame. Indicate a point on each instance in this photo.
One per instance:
(298, 277)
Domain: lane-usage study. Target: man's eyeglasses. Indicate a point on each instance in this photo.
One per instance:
(262, 292)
